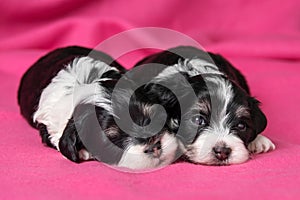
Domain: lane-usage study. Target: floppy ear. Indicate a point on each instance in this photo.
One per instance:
(234, 74)
(84, 129)
(69, 143)
(258, 117)
(159, 94)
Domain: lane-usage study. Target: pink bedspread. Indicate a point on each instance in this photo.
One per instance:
(262, 39)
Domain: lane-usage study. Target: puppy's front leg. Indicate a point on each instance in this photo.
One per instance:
(261, 144)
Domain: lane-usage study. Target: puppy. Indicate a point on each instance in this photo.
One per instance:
(134, 145)
(67, 96)
(222, 125)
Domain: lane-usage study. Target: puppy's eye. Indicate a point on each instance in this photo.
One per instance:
(199, 120)
(241, 126)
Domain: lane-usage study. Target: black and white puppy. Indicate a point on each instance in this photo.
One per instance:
(134, 145)
(227, 119)
(66, 93)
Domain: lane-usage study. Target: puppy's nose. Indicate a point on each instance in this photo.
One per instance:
(221, 152)
(154, 149)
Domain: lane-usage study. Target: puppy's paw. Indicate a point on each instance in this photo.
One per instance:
(261, 144)
(84, 155)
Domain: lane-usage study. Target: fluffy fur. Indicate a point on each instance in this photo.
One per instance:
(77, 83)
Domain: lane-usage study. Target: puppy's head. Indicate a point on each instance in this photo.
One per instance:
(224, 115)
(227, 120)
(144, 136)
(112, 137)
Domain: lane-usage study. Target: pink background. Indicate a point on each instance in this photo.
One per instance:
(261, 38)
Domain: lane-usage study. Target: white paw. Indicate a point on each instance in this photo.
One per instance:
(84, 155)
(261, 144)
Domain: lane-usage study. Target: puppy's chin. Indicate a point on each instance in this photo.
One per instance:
(134, 157)
(201, 151)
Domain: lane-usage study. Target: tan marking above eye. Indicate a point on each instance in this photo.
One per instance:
(112, 131)
(242, 112)
(203, 106)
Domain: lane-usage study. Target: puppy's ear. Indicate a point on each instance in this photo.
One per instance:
(234, 74)
(84, 131)
(159, 94)
(69, 143)
(258, 117)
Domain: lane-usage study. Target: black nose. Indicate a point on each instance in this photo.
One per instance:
(154, 149)
(222, 153)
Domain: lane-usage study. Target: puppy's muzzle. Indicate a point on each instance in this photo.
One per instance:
(154, 149)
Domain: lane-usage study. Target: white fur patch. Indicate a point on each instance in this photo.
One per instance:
(85, 155)
(261, 144)
(135, 158)
(193, 67)
(75, 84)
(201, 151)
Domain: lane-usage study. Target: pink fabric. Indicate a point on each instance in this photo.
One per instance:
(262, 39)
